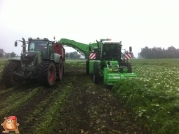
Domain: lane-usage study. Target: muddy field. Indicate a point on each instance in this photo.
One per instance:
(73, 106)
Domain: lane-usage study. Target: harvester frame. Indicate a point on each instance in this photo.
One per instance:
(112, 68)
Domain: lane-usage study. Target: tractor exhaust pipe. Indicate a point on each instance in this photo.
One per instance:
(23, 45)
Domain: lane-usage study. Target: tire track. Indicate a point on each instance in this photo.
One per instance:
(73, 105)
(94, 109)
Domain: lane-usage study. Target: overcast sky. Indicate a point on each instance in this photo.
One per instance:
(137, 23)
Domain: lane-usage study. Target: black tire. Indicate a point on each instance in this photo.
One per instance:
(60, 70)
(128, 65)
(63, 70)
(47, 73)
(87, 67)
(96, 73)
(8, 78)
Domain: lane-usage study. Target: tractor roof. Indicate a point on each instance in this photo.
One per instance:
(111, 42)
(45, 39)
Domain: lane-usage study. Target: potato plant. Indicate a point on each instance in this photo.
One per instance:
(153, 96)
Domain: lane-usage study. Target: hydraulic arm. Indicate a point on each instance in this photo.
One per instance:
(81, 47)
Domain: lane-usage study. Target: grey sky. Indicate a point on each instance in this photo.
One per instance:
(137, 23)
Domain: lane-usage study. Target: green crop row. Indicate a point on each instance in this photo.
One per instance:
(153, 97)
(158, 62)
(2, 63)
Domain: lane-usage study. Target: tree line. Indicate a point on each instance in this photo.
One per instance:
(158, 52)
(7, 55)
(72, 55)
(146, 52)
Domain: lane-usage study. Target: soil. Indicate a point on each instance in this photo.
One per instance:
(88, 109)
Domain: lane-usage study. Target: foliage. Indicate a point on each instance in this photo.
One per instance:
(72, 55)
(157, 52)
(2, 53)
(10, 55)
(153, 97)
(2, 63)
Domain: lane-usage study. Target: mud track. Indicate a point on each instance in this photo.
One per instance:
(86, 108)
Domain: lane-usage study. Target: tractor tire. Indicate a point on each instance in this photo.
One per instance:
(128, 65)
(47, 73)
(87, 67)
(96, 73)
(60, 70)
(8, 77)
(63, 69)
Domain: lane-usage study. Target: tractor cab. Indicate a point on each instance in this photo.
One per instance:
(42, 45)
(110, 50)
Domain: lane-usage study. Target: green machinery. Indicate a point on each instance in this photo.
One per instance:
(104, 59)
(43, 60)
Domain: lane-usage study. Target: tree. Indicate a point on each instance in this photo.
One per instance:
(12, 55)
(72, 55)
(157, 52)
(2, 53)
(66, 55)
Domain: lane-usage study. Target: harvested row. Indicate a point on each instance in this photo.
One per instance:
(74, 105)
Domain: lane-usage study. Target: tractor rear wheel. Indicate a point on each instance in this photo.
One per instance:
(60, 71)
(87, 67)
(47, 73)
(96, 73)
(8, 77)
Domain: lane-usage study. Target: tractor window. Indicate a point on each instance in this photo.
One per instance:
(110, 47)
(50, 44)
(32, 46)
(110, 51)
(37, 45)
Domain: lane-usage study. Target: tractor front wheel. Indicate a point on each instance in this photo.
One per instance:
(8, 77)
(47, 73)
(96, 73)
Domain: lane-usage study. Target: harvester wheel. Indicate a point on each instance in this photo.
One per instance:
(128, 65)
(60, 70)
(8, 77)
(96, 73)
(87, 67)
(47, 73)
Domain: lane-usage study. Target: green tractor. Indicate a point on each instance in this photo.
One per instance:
(43, 60)
(104, 59)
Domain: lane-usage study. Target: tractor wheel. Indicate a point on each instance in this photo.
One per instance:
(8, 77)
(87, 67)
(96, 73)
(60, 69)
(47, 73)
(128, 65)
(63, 70)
